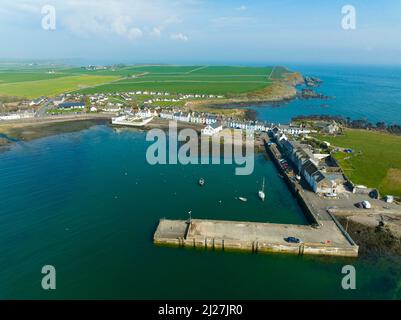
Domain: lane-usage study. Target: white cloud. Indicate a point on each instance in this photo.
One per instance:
(179, 37)
(156, 32)
(106, 18)
(242, 8)
(122, 26)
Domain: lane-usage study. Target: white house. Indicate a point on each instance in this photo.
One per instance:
(58, 100)
(166, 115)
(212, 129)
(211, 120)
(37, 101)
(146, 113)
(184, 117)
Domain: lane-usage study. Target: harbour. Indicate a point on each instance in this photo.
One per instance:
(324, 236)
(97, 226)
(110, 237)
(254, 237)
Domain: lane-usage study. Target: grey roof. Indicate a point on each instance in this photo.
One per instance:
(287, 145)
(309, 167)
(318, 176)
(71, 104)
(215, 125)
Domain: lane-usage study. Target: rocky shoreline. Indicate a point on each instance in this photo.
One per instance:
(374, 236)
(280, 91)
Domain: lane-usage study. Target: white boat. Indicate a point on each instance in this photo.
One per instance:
(131, 121)
(202, 182)
(242, 199)
(261, 193)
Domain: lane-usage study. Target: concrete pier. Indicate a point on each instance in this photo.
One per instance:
(324, 235)
(255, 237)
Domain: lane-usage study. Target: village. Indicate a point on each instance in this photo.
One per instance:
(311, 159)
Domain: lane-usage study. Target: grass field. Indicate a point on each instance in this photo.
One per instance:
(195, 79)
(32, 82)
(376, 161)
(13, 77)
(52, 87)
(35, 81)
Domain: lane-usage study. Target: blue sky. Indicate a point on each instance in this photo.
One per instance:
(202, 31)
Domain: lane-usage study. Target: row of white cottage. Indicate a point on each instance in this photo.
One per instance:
(212, 124)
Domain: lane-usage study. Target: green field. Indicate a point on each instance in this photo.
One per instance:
(12, 77)
(195, 79)
(376, 161)
(34, 81)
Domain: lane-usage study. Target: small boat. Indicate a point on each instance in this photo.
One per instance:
(261, 193)
(242, 199)
(201, 182)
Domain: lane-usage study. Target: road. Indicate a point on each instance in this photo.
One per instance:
(43, 110)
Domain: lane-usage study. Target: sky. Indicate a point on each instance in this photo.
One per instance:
(201, 31)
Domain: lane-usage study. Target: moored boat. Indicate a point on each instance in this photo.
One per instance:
(261, 193)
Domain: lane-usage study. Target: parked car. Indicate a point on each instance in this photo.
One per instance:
(366, 205)
(363, 205)
(292, 240)
(331, 195)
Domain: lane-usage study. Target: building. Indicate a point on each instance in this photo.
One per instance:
(320, 171)
(146, 113)
(58, 100)
(71, 105)
(212, 129)
(17, 116)
(37, 102)
(331, 128)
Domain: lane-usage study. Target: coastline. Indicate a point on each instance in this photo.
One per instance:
(374, 236)
(279, 91)
(35, 128)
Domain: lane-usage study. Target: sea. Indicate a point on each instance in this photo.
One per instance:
(88, 203)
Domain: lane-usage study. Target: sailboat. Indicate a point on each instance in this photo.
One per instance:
(261, 193)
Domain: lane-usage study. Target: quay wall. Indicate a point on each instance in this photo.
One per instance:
(312, 219)
(259, 247)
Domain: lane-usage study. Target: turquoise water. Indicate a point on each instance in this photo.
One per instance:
(88, 203)
(371, 93)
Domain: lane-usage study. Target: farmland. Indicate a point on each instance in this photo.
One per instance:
(50, 87)
(376, 161)
(196, 80)
(32, 82)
